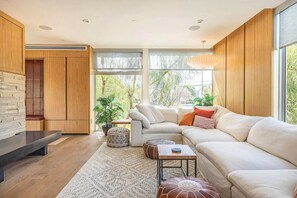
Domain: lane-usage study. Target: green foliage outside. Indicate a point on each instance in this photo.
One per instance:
(125, 88)
(291, 114)
(171, 88)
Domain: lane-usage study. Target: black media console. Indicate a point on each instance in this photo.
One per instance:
(23, 144)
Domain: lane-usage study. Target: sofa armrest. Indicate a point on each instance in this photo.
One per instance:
(136, 133)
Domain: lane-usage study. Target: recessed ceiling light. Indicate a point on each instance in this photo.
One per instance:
(200, 20)
(133, 20)
(194, 27)
(85, 20)
(44, 27)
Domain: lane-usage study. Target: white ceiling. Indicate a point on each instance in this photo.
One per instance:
(159, 23)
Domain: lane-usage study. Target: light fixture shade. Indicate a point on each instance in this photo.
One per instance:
(203, 61)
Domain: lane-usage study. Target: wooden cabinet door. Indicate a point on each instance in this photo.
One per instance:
(11, 44)
(235, 71)
(55, 88)
(78, 89)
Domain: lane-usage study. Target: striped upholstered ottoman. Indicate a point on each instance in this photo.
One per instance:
(150, 148)
(118, 137)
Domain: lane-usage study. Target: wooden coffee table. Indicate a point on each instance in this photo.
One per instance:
(165, 153)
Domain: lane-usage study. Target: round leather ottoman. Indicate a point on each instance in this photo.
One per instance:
(118, 137)
(186, 187)
(150, 148)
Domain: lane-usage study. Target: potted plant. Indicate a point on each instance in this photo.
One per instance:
(205, 100)
(107, 110)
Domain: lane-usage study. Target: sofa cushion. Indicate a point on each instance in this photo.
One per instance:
(232, 156)
(164, 127)
(237, 125)
(136, 115)
(170, 115)
(265, 183)
(203, 122)
(207, 113)
(275, 137)
(219, 113)
(153, 114)
(198, 135)
(188, 119)
(182, 111)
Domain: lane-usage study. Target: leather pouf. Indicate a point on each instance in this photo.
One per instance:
(186, 187)
(150, 148)
(118, 137)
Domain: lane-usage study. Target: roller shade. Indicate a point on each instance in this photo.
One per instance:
(288, 26)
(118, 60)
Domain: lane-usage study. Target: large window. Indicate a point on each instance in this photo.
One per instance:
(119, 73)
(291, 84)
(288, 63)
(172, 82)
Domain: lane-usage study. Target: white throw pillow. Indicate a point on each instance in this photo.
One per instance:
(136, 115)
(237, 125)
(275, 137)
(169, 114)
(153, 114)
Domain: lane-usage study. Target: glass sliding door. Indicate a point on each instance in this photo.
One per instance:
(291, 84)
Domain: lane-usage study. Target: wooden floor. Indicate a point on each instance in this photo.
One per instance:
(45, 176)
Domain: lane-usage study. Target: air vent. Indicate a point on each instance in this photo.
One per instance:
(55, 47)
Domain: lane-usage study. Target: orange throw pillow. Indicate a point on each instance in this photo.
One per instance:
(187, 119)
(203, 112)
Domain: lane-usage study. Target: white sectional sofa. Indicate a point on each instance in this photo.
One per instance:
(244, 157)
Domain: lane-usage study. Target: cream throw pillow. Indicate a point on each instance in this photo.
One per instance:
(136, 115)
(153, 114)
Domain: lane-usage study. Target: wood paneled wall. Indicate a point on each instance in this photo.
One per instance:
(258, 64)
(12, 79)
(220, 73)
(219, 84)
(248, 72)
(235, 71)
(12, 45)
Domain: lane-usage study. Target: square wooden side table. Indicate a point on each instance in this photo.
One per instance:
(165, 153)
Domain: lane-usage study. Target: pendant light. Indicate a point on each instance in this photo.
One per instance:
(203, 61)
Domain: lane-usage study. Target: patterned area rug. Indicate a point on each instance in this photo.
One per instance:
(118, 172)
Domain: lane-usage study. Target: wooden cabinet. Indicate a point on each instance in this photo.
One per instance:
(55, 88)
(258, 64)
(235, 71)
(34, 125)
(11, 45)
(78, 88)
(72, 126)
(66, 89)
